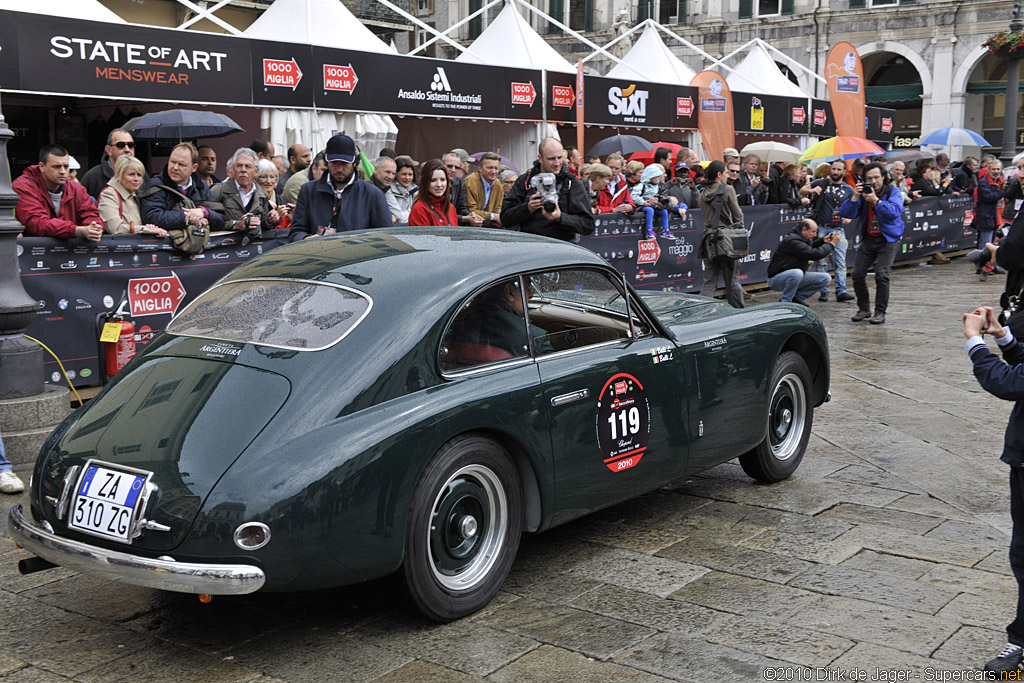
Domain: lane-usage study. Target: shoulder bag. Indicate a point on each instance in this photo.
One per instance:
(730, 240)
(192, 239)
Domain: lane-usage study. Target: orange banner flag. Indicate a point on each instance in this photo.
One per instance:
(714, 113)
(845, 76)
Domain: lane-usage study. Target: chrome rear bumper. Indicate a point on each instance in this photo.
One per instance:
(180, 577)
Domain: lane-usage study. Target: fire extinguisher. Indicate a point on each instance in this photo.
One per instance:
(116, 354)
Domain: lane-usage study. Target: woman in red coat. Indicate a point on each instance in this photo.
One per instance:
(432, 205)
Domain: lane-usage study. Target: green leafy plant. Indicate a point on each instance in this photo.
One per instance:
(1005, 43)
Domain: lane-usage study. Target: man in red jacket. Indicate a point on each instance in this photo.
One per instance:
(50, 206)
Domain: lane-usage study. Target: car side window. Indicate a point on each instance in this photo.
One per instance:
(490, 328)
(578, 308)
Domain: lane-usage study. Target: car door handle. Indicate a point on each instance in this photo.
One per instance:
(570, 397)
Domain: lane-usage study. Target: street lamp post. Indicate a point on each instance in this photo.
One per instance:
(1012, 91)
(21, 361)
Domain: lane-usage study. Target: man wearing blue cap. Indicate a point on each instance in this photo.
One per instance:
(338, 202)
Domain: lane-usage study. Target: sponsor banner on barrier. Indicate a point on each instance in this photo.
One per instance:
(74, 281)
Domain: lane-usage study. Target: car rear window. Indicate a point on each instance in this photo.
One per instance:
(288, 314)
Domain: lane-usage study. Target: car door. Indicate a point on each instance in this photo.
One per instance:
(616, 404)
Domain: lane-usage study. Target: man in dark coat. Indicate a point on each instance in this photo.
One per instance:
(524, 209)
(119, 143)
(338, 202)
(1005, 379)
(162, 202)
(453, 165)
(787, 271)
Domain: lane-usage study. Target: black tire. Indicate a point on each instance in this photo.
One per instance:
(465, 520)
(790, 415)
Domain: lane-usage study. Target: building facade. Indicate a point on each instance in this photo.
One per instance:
(922, 58)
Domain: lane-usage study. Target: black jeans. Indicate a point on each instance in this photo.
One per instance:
(1015, 630)
(880, 252)
(730, 271)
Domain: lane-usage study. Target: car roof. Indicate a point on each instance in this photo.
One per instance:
(389, 261)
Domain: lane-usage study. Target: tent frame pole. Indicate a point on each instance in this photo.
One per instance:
(578, 36)
(402, 13)
(209, 10)
(206, 14)
(472, 16)
(607, 45)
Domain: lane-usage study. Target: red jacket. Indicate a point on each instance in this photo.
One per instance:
(606, 201)
(35, 211)
(422, 215)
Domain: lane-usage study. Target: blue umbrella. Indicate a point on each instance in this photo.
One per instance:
(954, 137)
(181, 124)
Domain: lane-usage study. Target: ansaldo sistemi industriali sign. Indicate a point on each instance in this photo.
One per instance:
(71, 57)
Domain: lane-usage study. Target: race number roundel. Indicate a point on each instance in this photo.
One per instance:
(623, 422)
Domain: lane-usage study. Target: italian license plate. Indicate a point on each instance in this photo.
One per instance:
(106, 499)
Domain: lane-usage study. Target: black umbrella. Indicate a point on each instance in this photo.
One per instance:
(627, 144)
(181, 124)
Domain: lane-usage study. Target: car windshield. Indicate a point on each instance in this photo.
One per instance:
(288, 314)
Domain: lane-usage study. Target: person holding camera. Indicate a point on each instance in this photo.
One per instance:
(787, 271)
(828, 195)
(548, 200)
(1004, 378)
(879, 206)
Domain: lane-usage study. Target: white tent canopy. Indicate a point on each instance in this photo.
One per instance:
(91, 10)
(330, 24)
(651, 60)
(315, 22)
(758, 72)
(510, 41)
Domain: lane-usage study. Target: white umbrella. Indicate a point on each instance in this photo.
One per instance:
(770, 150)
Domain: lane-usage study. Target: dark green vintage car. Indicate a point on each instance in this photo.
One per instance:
(410, 401)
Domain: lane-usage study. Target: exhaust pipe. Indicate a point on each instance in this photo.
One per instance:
(31, 565)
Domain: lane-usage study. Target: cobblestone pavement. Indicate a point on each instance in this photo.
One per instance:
(886, 551)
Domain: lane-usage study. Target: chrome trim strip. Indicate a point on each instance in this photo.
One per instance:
(180, 577)
(66, 486)
(570, 397)
(488, 367)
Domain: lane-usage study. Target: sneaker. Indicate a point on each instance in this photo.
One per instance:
(1007, 660)
(845, 296)
(667, 234)
(877, 319)
(651, 235)
(982, 276)
(823, 296)
(861, 315)
(11, 482)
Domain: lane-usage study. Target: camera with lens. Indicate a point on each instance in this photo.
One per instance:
(867, 188)
(544, 184)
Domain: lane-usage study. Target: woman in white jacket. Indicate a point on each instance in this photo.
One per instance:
(402, 192)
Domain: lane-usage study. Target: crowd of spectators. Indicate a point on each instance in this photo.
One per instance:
(323, 193)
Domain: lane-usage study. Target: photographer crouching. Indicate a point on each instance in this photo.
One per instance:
(548, 199)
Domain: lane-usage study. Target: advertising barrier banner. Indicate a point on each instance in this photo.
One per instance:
(74, 281)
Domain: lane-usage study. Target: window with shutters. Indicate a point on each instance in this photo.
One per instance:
(556, 10)
(769, 8)
(581, 15)
(476, 24)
